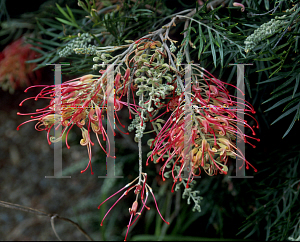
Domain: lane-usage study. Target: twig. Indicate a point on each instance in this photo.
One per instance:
(140, 145)
(53, 227)
(272, 10)
(22, 208)
(284, 32)
(77, 226)
(215, 3)
(140, 160)
(37, 212)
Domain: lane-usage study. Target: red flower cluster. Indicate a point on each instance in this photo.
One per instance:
(75, 102)
(14, 72)
(213, 130)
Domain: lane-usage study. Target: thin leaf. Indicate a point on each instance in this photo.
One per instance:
(278, 95)
(47, 32)
(219, 27)
(269, 58)
(38, 50)
(201, 41)
(192, 28)
(296, 84)
(251, 25)
(205, 48)
(211, 39)
(48, 22)
(248, 86)
(281, 46)
(221, 50)
(286, 83)
(88, 5)
(231, 74)
(291, 103)
(196, 40)
(267, 5)
(285, 114)
(36, 60)
(231, 26)
(40, 45)
(45, 62)
(71, 14)
(281, 102)
(66, 22)
(63, 12)
(48, 42)
(276, 78)
(270, 67)
(292, 124)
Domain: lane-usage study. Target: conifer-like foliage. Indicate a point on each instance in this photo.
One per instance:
(149, 41)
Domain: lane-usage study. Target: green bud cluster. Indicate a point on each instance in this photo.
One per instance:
(104, 57)
(136, 124)
(264, 31)
(154, 79)
(172, 47)
(179, 57)
(79, 45)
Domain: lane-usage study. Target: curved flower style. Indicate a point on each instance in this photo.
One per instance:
(141, 188)
(14, 72)
(213, 129)
(82, 101)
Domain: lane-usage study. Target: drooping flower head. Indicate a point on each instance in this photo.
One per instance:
(80, 102)
(141, 189)
(214, 128)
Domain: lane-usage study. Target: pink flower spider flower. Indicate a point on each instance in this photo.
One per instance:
(239, 5)
(79, 102)
(213, 131)
(142, 189)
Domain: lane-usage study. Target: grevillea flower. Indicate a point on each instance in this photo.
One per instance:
(239, 5)
(142, 189)
(83, 102)
(214, 128)
(14, 72)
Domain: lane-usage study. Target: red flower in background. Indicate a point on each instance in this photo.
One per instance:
(14, 72)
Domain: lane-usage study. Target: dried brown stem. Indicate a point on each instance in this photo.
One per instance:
(51, 216)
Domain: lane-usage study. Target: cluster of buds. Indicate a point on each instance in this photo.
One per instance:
(152, 80)
(78, 45)
(213, 131)
(142, 189)
(266, 30)
(14, 71)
